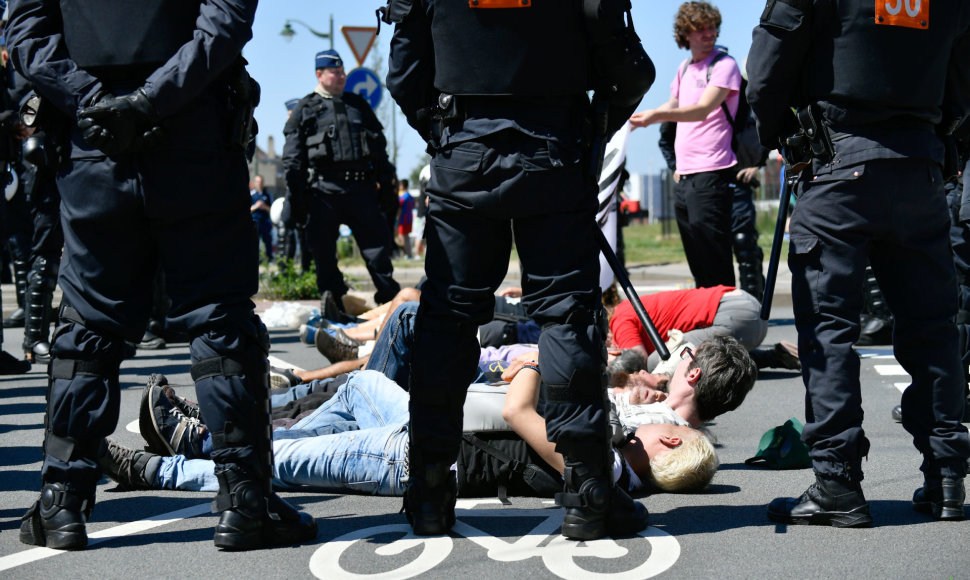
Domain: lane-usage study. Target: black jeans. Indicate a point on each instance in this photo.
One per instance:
(703, 211)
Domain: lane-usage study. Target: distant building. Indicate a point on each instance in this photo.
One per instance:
(268, 164)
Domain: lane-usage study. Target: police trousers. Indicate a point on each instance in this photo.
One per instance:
(188, 211)
(893, 213)
(485, 194)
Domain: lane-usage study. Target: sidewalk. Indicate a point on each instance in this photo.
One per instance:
(646, 280)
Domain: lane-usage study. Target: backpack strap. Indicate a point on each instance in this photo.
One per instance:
(720, 54)
(509, 465)
(533, 475)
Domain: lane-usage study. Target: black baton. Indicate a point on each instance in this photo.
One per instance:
(631, 295)
(785, 198)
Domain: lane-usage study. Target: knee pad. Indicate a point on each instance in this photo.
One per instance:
(745, 241)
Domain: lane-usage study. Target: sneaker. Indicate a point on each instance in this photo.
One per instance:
(166, 428)
(827, 502)
(190, 408)
(786, 356)
(337, 347)
(11, 365)
(308, 333)
(131, 468)
(283, 378)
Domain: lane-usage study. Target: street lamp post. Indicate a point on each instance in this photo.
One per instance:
(288, 31)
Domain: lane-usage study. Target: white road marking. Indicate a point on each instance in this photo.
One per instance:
(280, 363)
(890, 370)
(35, 554)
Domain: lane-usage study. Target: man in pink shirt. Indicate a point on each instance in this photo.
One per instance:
(706, 170)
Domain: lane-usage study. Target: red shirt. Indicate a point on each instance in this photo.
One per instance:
(684, 310)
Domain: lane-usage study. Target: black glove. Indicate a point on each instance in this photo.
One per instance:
(127, 124)
(298, 210)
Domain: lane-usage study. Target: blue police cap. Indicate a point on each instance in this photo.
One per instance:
(328, 58)
(291, 103)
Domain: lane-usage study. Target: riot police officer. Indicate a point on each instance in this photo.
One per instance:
(335, 159)
(874, 84)
(155, 109)
(498, 89)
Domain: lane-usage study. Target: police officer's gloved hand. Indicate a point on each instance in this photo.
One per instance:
(121, 124)
(298, 210)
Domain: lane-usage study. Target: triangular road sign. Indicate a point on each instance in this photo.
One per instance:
(360, 39)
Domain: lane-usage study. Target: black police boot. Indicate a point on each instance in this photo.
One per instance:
(943, 498)
(17, 317)
(429, 499)
(131, 468)
(878, 327)
(750, 272)
(595, 507)
(827, 502)
(56, 520)
(254, 517)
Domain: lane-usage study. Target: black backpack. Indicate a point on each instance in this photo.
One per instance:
(501, 463)
(744, 135)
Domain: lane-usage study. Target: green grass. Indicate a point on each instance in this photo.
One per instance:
(646, 244)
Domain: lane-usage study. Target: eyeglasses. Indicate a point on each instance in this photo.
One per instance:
(687, 354)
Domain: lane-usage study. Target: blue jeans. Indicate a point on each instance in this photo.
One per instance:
(392, 351)
(369, 460)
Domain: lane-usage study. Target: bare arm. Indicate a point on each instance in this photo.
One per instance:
(711, 98)
(520, 413)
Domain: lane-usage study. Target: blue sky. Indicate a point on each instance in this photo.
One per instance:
(284, 68)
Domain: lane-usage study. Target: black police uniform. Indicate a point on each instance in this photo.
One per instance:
(183, 204)
(506, 166)
(885, 81)
(48, 240)
(334, 157)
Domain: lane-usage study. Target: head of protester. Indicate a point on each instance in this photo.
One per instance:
(679, 458)
(697, 26)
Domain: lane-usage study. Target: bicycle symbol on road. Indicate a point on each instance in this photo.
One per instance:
(558, 555)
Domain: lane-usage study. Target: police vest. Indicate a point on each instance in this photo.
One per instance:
(109, 33)
(890, 54)
(335, 129)
(510, 47)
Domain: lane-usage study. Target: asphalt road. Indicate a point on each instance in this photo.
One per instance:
(721, 533)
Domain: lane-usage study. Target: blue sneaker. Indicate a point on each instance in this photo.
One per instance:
(308, 333)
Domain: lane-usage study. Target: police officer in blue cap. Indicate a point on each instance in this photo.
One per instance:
(876, 84)
(154, 109)
(336, 165)
(499, 90)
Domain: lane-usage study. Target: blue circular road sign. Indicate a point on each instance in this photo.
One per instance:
(367, 84)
